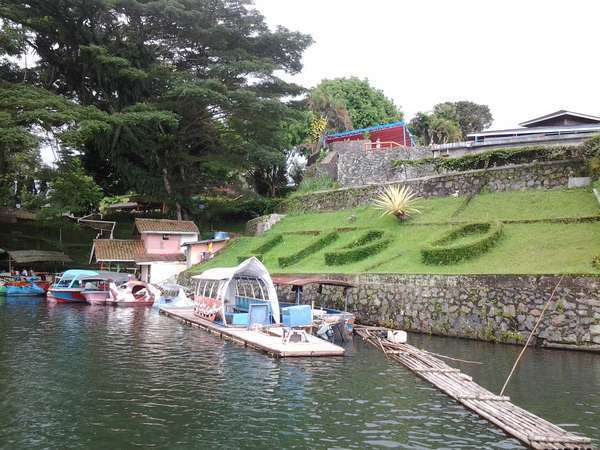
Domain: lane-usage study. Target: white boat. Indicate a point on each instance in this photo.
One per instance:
(132, 293)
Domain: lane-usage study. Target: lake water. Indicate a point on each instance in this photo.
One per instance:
(76, 376)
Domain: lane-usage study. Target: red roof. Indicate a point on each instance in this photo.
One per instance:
(166, 226)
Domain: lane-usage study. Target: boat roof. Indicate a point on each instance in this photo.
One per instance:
(105, 276)
(78, 273)
(296, 281)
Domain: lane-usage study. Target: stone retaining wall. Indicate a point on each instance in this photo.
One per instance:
(357, 168)
(543, 175)
(501, 308)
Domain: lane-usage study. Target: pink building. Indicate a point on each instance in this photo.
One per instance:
(163, 249)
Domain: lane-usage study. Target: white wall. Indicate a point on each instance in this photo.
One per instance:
(161, 271)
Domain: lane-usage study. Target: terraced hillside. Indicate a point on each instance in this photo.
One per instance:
(530, 232)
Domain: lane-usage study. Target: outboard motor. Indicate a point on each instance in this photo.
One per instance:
(325, 332)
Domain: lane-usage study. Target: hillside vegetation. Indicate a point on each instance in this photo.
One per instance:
(542, 232)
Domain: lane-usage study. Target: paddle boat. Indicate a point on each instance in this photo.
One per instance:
(96, 287)
(132, 293)
(69, 286)
(330, 323)
(29, 286)
(172, 296)
(240, 303)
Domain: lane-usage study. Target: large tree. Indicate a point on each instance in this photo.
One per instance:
(187, 88)
(470, 117)
(348, 103)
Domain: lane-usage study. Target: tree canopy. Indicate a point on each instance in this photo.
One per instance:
(450, 122)
(348, 103)
(164, 97)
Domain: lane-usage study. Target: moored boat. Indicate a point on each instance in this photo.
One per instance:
(331, 323)
(29, 287)
(68, 288)
(96, 287)
(132, 293)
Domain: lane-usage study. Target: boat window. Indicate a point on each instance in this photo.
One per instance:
(165, 237)
(64, 282)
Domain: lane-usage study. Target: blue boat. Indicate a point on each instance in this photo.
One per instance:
(69, 286)
(27, 287)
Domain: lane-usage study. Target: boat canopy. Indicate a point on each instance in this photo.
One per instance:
(70, 276)
(116, 277)
(249, 279)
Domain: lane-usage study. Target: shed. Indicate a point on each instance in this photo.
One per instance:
(35, 256)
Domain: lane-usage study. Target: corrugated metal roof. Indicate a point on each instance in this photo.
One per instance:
(365, 130)
(165, 226)
(561, 112)
(118, 249)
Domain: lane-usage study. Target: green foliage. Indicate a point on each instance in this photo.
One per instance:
(398, 201)
(469, 116)
(186, 95)
(316, 183)
(368, 237)
(312, 248)
(493, 158)
(348, 103)
(73, 191)
(269, 245)
(452, 248)
(591, 147)
(369, 244)
(241, 259)
(450, 122)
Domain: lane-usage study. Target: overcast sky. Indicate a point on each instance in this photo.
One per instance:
(521, 58)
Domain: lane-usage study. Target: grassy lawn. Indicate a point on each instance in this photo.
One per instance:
(524, 248)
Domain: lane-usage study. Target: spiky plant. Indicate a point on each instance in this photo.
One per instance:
(397, 200)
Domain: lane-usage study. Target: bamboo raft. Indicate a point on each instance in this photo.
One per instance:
(528, 428)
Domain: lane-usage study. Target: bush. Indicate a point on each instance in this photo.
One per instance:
(591, 147)
(358, 250)
(316, 183)
(317, 245)
(494, 158)
(443, 251)
(269, 245)
(241, 259)
(366, 238)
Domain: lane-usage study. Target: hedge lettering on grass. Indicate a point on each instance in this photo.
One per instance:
(358, 252)
(316, 246)
(443, 251)
(369, 236)
(241, 259)
(269, 245)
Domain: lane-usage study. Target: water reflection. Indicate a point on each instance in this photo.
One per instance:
(78, 376)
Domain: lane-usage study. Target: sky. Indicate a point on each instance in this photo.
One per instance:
(522, 58)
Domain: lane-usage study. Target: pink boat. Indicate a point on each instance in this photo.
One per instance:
(96, 288)
(132, 293)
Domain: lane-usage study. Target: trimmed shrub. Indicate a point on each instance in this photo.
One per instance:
(241, 259)
(366, 238)
(316, 246)
(444, 251)
(269, 245)
(495, 158)
(357, 252)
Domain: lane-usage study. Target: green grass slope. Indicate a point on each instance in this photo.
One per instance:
(535, 239)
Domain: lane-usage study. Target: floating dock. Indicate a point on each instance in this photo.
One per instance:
(269, 341)
(528, 428)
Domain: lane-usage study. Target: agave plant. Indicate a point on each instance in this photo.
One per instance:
(397, 200)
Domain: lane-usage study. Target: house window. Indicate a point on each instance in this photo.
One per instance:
(165, 237)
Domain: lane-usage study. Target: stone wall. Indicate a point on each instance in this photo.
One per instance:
(358, 168)
(262, 224)
(501, 308)
(543, 175)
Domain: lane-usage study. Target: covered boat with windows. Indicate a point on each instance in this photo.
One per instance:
(237, 296)
(69, 285)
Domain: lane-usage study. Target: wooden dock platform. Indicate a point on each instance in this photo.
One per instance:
(270, 342)
(528, 428)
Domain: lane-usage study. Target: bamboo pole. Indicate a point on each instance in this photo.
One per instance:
(537, 324)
